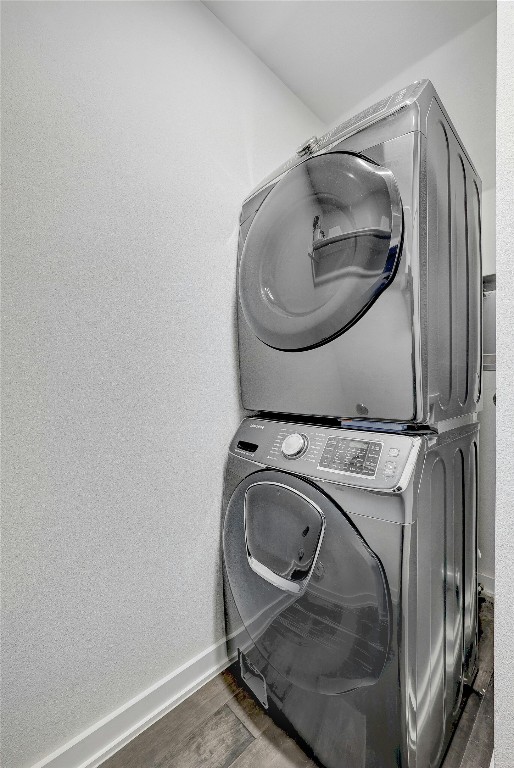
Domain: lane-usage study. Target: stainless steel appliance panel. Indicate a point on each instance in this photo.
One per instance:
(445, 590)
(416, 547)
(415, 353)
(489, 326)
(375, 461)
(372, 369)
(453, 255)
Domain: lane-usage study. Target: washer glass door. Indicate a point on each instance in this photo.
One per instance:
(322, 247)
(319, 611)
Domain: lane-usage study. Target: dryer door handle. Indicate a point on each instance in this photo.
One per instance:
(320, 241)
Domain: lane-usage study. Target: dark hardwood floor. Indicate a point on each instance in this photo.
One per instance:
(472, 743)
(220, 726)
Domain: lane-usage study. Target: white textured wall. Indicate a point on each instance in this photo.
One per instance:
(489, 231)
(360, 58)
(504, 609)
(132, 131)
(487, 483)
(487, 463)
(463, 73)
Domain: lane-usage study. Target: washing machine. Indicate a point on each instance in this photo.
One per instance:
(350, 585)
(359, 272)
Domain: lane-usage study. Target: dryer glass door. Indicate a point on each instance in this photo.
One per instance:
(311, 594)
(322, 247)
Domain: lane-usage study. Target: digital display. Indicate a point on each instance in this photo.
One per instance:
(356, 457)
(249, 447)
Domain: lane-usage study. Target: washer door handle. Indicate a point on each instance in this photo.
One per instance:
(295, 587)
(316, 521)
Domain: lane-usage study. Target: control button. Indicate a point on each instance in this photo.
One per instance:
(308, 146)
(294, 445)
(394, 452)
(388, 473)
(390, 465)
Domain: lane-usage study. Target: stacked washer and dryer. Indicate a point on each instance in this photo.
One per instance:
(350, 499)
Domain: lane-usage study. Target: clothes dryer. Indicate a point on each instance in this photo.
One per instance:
(350, 585)
(359, 272)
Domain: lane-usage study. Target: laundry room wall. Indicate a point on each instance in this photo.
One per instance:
(131, 134)
(487, 464)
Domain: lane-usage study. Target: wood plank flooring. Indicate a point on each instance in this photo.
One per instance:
(472, 743)
(220, 726)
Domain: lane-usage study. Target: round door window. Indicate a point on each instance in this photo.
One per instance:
(322, 247)
(310, 592)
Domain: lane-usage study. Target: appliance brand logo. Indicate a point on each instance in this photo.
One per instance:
(257, 426)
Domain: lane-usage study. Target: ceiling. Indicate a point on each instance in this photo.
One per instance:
(339, 56)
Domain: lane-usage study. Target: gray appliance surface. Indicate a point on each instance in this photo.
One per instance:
(354, 620)
(489, 322)
(359, 272)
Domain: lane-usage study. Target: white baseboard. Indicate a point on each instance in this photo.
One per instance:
(98, 743)
(487, 582)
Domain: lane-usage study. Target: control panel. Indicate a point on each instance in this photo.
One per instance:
(351, 456)
(374, 460)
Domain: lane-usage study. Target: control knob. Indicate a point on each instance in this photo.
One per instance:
(294, 445)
